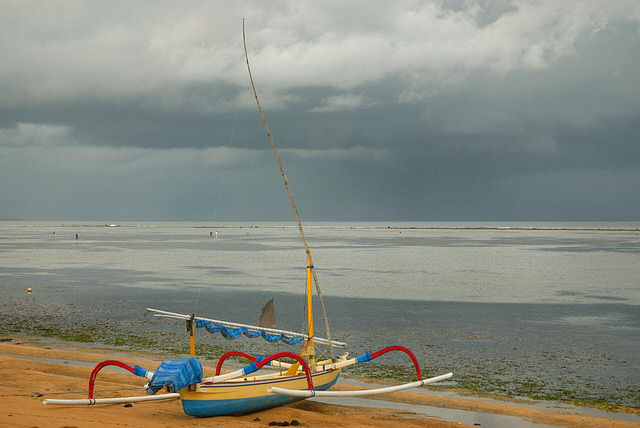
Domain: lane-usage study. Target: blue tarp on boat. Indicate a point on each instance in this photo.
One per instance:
(232, 333)
(177, 373)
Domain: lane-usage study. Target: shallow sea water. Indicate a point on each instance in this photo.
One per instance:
(543, 313)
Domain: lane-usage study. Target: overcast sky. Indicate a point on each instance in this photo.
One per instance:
(413, 111)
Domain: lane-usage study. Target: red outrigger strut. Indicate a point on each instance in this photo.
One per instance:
(99, 367)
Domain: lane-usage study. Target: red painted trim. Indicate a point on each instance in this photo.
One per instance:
(266, 361)
(232, 383)
(403, 349)
(99, 367)
(296, 357)
(232, 354)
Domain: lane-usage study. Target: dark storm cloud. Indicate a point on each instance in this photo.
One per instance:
(412, 111)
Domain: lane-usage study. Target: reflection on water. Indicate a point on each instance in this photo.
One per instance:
(552, 266)
(548, 312)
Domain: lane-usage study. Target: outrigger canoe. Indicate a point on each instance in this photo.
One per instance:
(240, 391)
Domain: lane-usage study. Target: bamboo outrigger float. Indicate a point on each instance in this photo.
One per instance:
(240, 392)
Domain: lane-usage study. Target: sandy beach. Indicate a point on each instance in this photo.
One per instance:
(32, 370)
(433, 193)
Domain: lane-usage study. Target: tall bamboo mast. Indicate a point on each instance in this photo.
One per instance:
(293, 204)
(311, 352)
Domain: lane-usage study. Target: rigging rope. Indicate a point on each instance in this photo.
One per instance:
(233, 130)
(293, 204)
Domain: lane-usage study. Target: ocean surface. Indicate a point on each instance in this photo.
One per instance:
(545, 310)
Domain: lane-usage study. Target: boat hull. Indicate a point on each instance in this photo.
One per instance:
(239, 398)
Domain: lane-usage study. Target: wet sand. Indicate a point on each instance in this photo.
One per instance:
(28, 369)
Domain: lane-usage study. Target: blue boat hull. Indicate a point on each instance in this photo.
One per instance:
(205, 405)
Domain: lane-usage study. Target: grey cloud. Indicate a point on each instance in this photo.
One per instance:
(34, 134)
(343, 102)
(151, 51)
(428, 110)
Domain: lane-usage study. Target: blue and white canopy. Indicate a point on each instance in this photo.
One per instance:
(232, 333)
(233, 330)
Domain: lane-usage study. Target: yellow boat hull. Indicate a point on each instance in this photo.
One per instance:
(249, 395)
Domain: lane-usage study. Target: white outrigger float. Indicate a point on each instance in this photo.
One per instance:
(240, 392)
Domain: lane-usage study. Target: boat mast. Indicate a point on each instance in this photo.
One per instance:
(293, 206)
(191, 329)
(311, 352)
